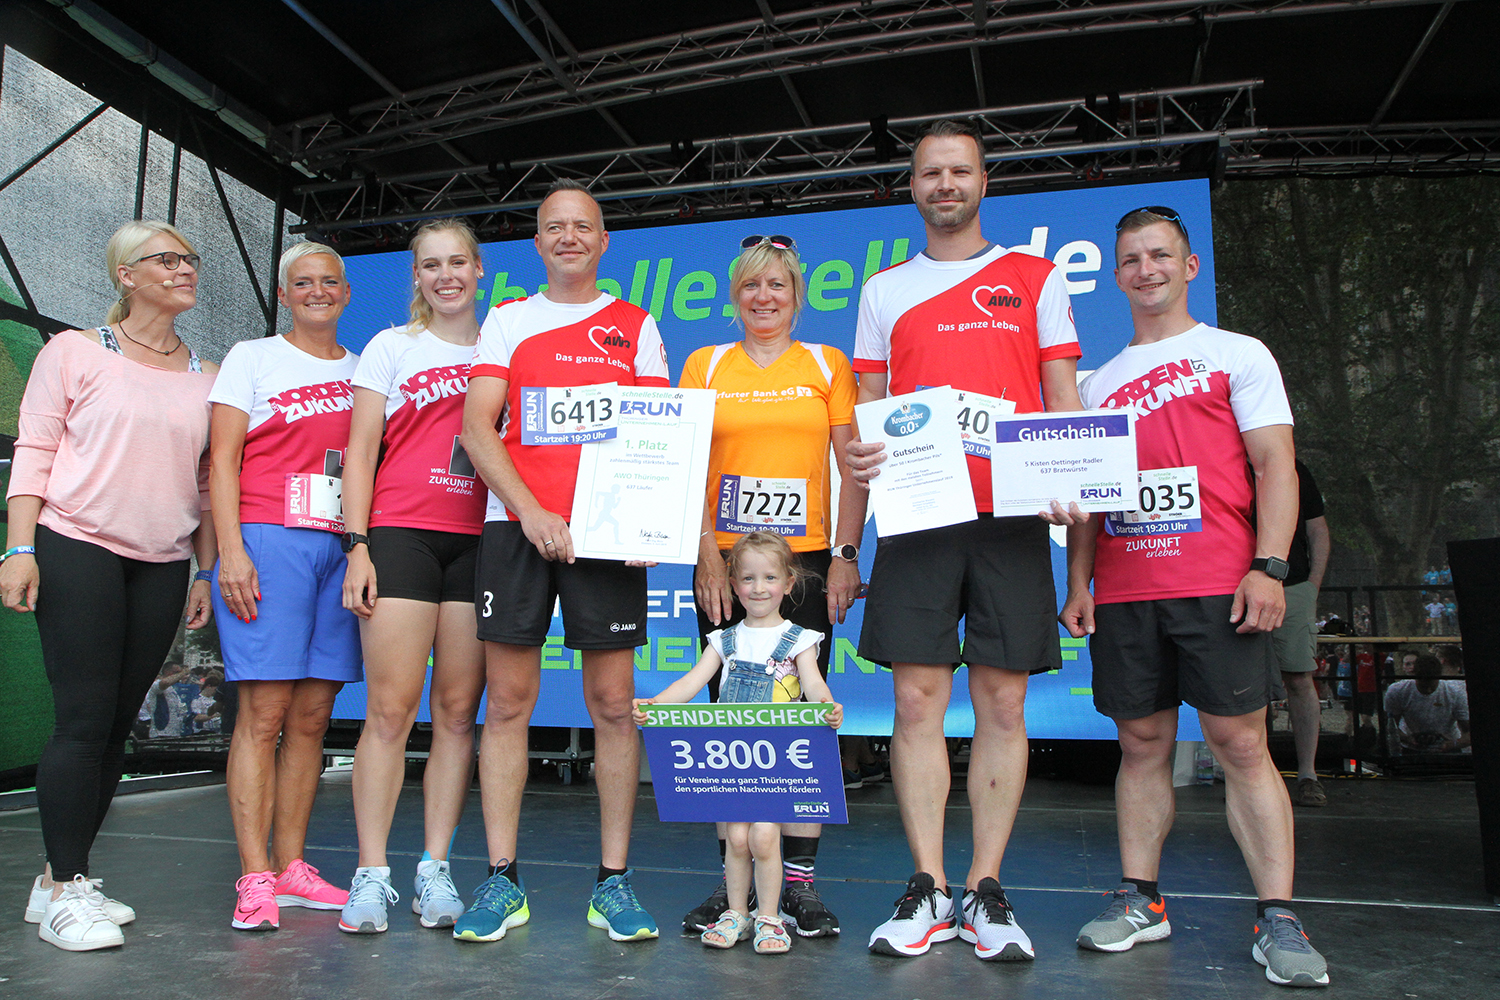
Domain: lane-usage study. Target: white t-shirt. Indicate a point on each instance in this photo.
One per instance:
(425, 478)
(1193, 395)
(537, 343)
(1439, 712)
(755, 645)
(985, 324)
(299, 409)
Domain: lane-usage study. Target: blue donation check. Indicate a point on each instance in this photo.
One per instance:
(757, 763)
(1085, 457)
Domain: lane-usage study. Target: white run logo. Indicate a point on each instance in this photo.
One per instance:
(986, 296)
(1137, 919)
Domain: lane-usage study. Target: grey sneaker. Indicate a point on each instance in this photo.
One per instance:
(369, 893)
(436, 902)
(1281, 945)
(1129, 919)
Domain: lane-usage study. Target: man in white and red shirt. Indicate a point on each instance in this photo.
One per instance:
(530, 353)
(1188, 589)
(964, 313)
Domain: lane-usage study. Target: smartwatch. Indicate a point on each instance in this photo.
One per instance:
(1276, 569)
(352, 539)
(846, 552)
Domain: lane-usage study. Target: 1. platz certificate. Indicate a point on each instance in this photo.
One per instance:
(924, 481)
(639, 495)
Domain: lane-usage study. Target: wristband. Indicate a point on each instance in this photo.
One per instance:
(18, 550)
(204, 574)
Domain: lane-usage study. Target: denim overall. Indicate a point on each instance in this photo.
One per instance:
(746, 682)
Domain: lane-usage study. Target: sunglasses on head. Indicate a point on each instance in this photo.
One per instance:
(1166, 213)
(779, 242)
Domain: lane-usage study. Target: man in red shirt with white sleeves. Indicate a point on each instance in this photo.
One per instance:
(969, 314)
(533, 352)
(1188, 589)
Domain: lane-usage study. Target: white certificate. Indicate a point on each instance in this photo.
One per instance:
(1085, 457)
(924, 481)
(639, 495)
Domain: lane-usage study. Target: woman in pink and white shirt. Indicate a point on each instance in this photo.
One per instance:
(413, 541)
(104, 510)
(280, 423)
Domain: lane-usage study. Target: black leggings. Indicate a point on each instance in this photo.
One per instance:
(106, 624)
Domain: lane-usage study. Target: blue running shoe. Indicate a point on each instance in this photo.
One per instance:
(369, 894)
(499, 905)
(614, 908)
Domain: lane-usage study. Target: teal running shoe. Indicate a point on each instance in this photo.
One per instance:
(499, 905)
(614, 908)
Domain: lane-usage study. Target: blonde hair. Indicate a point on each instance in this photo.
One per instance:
(121, 251)
(297, 252)
(421, 309)
(768, 544)
(759, 259)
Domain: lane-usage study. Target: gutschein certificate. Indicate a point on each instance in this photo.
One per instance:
(1085, 457)
(639, 494)
(924, 481)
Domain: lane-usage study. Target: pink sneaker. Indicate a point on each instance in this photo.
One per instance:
(256, 909)
(300, 885)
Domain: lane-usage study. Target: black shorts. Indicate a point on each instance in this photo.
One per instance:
(994, 573)
(603, 600)
(416, 564)
(806, 605)
(1150, 656)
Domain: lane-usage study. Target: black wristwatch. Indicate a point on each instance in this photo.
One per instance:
(1276, 569)
(352, 538)
(846, 552)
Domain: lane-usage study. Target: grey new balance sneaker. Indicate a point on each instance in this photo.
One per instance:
(1131, 918)
(1281, 945)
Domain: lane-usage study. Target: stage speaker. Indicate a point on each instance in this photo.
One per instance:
(1476, 585)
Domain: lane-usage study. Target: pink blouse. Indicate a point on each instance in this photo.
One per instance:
(116, 449)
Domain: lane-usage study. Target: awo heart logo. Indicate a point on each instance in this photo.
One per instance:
(987, 297)
(607, 336)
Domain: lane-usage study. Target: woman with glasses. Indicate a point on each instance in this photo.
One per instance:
(414, 528)
(280, 425)
(105, 500)
(781, 403)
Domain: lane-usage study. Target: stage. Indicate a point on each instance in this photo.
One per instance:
(1388, 885)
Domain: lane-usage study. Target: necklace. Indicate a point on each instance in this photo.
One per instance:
(165, 354)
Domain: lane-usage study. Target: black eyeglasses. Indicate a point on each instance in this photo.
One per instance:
(170, 259)
(1166, 213)
(779, 242)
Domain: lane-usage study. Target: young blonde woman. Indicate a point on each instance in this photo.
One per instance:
(413, 539)
(104, 505)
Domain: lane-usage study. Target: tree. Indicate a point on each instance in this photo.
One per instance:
(1380, 298)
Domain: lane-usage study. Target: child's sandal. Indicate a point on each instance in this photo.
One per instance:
(730, 929)
(771, 937)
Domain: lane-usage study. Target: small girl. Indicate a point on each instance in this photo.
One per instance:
(769, 659)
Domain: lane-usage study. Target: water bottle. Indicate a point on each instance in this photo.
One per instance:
(1203, 764)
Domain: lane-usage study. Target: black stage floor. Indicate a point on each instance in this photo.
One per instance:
(1388, 885)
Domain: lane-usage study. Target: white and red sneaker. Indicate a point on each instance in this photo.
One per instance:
(923, 917)
(300, 885)
(990, 925)
(255, 909)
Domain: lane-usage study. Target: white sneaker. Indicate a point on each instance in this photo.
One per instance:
(118, 913)
(75, 921)
(990, 925)
(924, 916)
